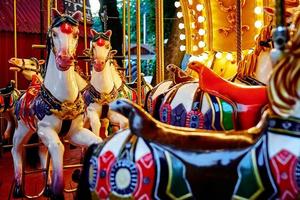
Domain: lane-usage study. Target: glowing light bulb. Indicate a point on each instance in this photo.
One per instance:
(182, 48)
(191, 2)
(199, 7)
(179, 14)
(182, 37)
(229, 56)
(258, 24)
(195, 48)
(201, 44)
(177, 4)
(181, 26)
(258, 10)
(219, 55)
(250, 51)
(201, 19)
(201, 32)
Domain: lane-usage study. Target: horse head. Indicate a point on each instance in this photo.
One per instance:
(101, 49)
(28, 67)
(256, 67)
(63, 38)
(284, 89)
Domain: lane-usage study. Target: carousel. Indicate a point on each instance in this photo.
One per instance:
(121, 99)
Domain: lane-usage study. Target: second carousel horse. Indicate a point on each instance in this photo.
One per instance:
(106, 85)
(46, 107)
(185, 104)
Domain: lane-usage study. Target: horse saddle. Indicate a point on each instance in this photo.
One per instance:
(179, 76)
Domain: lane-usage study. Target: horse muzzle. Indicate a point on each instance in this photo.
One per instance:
(64, 62)
(99, 65)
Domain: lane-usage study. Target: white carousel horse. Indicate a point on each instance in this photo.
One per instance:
(253, 70)
(28, 67)
(105, 86)
(46, 107)
(153, 160)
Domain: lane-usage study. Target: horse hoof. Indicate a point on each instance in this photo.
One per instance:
(76, 175)
(18, 192)
(47, 191)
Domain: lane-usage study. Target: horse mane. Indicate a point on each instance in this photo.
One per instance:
(284, 89)
(247, 66)
(116, 66)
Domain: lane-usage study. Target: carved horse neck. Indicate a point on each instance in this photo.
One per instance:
(102, 81)
(257, 65)
(118, 82)
(61, 84)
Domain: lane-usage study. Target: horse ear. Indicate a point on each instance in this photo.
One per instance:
(55, 13)
(77, 16)
(108, 33)
(93, 32)
(41, 62)
(113, 53)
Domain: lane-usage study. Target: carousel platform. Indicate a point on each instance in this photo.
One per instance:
(34, 183)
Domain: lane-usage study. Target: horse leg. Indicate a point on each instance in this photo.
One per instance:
(56, 149)
(80, 136)
(21, 136)
(8, 115)
(93, 117)
(43, 154)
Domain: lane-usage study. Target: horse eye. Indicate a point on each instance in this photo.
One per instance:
(54, 34)
(32, 64)
(75, 36)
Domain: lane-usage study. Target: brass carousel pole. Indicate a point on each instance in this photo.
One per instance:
(129, 45)
(49, 13)
(138, 51)
(159, 41)
(55, 4)
(15, 39)
(161, 35)
(238, 31)
(85, 35)
(124, 31)
(157, 69)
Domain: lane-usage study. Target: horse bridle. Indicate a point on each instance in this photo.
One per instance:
(37, 70)
(56, 23)
(105, 37)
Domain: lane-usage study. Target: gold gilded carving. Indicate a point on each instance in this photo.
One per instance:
(70, 110)
(231, 18)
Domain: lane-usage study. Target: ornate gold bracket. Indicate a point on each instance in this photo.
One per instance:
(231, 18)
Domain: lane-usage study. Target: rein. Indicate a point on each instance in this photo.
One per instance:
(37, 70)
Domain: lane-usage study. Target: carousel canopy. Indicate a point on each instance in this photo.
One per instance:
(211, 25)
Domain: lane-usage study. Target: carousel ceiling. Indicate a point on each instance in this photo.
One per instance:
(210, 25)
